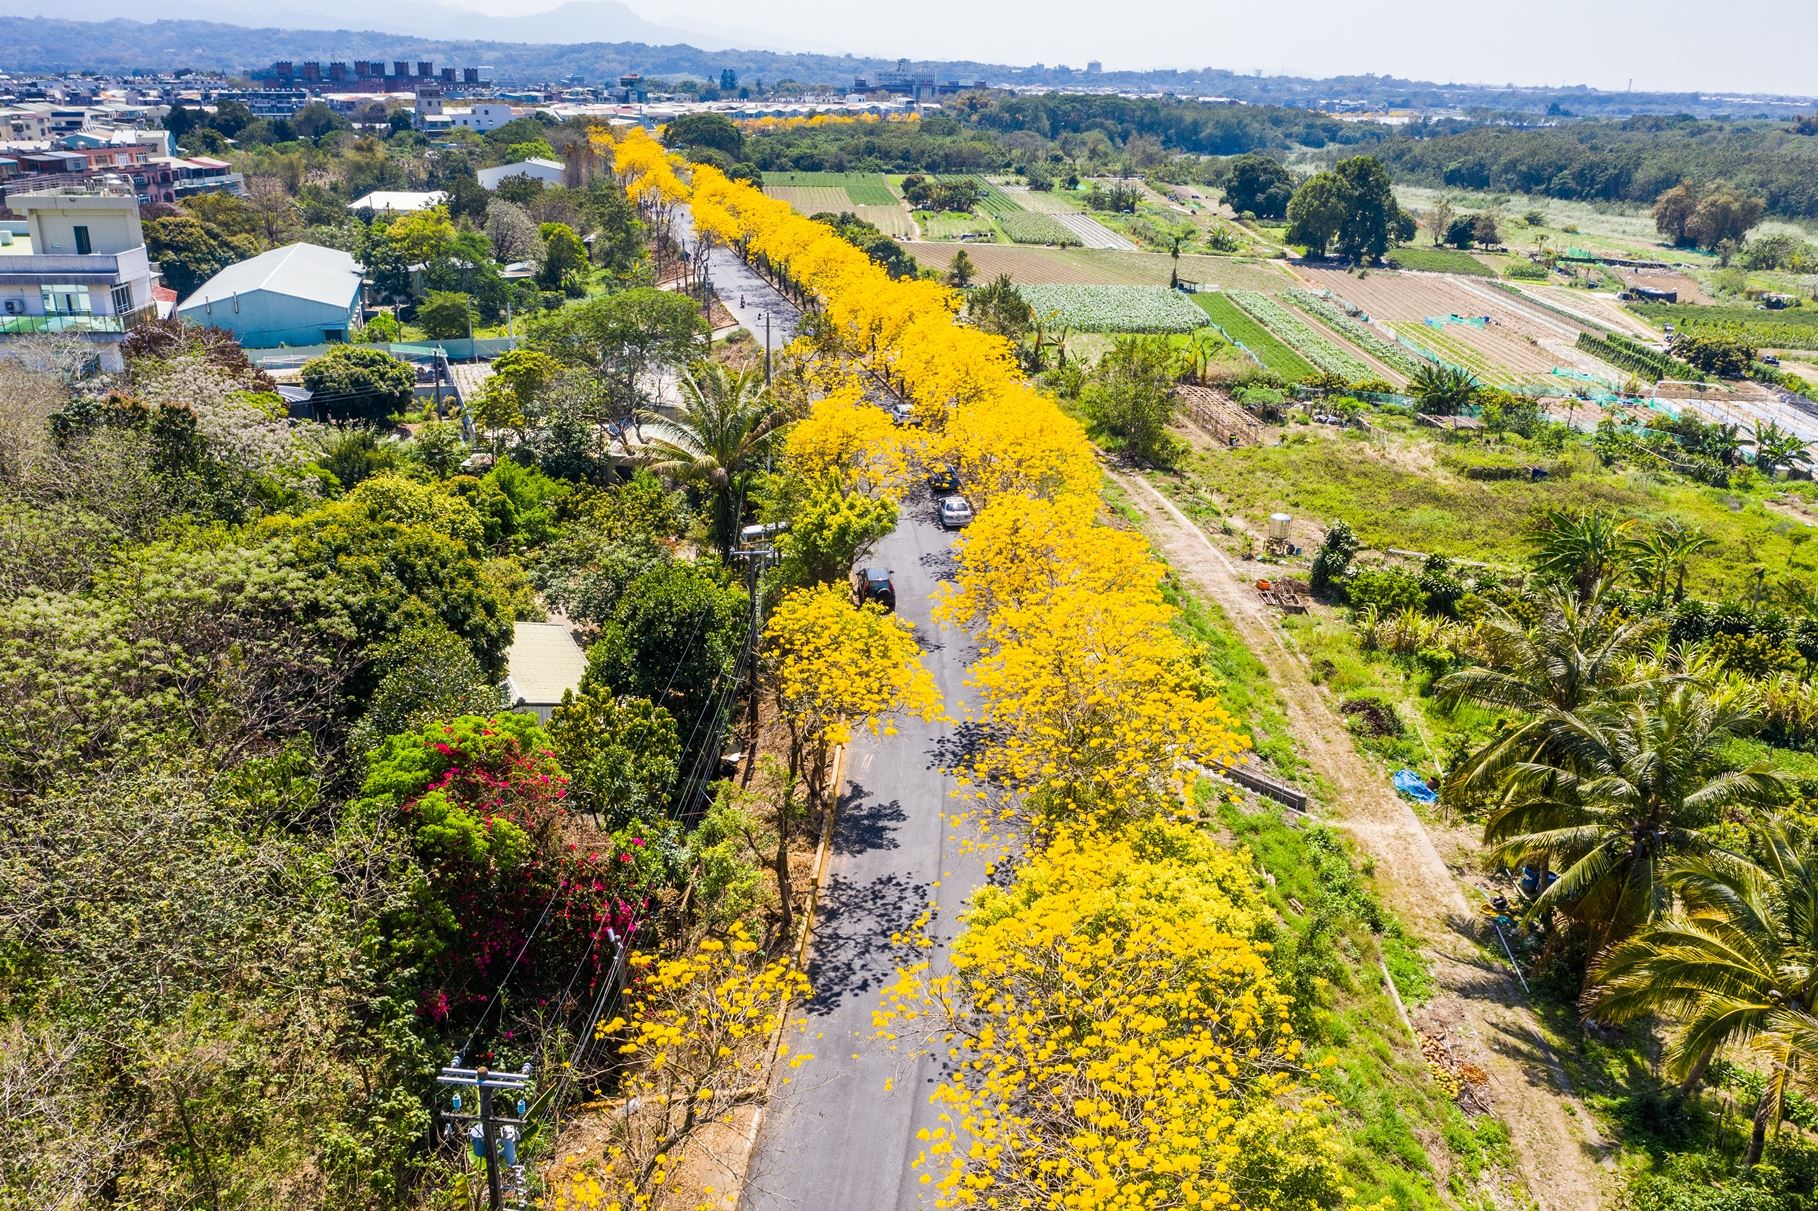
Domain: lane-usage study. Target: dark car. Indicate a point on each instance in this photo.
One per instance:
(944, 482)
(874, 584)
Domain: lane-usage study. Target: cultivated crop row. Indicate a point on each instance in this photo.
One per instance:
(1116, 308)
(1395, 357)
(1316, 347)
(1637, 358)
(992, 200)
(1238, 325)
(1792, 329)
(1025, 228)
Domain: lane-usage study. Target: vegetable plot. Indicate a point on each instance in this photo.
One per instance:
(1116, 308)
(1025, 228)
(1242, 328)
(1315, 347)
(1395, 357)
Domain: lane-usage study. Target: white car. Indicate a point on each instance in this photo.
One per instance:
(956, 511)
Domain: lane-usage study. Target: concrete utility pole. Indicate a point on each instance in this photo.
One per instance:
(491, 1140)
(766, 348)
(758, 551)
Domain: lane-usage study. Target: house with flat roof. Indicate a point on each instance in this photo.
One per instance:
(544, 663)
(300, 294)
(76, 264)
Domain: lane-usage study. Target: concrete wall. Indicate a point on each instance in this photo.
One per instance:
(263, 319)
(112, 222)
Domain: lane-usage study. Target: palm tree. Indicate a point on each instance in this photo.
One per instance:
(1584, 548)
(1575, 653)
(730, 424)
(1442, 390)
(1737, 964)
(1619, 792)
(1661, 555)
(1776, 447)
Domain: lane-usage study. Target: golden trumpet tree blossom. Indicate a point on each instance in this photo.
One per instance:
(698, 1036)
(845, 436)
(1116, 1039)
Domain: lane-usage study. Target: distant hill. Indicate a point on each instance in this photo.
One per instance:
(45, 44)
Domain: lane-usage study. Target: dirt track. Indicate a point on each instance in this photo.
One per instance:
(1558, 1152)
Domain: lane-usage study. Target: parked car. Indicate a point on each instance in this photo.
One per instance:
(903, 414)
(874, 584)
(1768, 359)
(944, 482)
(956, 511)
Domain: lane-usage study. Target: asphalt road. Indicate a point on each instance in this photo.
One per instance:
(835, 1138)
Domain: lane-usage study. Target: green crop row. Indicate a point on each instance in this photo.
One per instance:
(1795, 328)
(1115, 308)
(1636, 358)
(1316, 347)
(1025, 227)
(1241, 327)
(1396, 357)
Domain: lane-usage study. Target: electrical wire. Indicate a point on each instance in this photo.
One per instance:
(522, 950)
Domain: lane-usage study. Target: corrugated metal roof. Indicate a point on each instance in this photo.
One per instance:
(304, 271)
(543, 662)
(398, 201)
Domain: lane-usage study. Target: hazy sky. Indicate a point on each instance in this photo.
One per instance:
(1723, 45)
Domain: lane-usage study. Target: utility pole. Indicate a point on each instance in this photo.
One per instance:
(766, 348)
(758, 551)
(491, 1133)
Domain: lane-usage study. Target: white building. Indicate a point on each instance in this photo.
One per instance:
(78, 266)
(547, 171)
(481, 116)
(397, 201)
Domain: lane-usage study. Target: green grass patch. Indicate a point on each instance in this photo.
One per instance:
(1241, 327)
(1439, 260)
(953, 224)
(1402, 489)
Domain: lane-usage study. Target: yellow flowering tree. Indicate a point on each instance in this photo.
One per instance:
(833, 666)
(697, 1043)
(1116, 1040)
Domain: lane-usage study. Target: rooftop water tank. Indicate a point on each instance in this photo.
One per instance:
(1278, 525)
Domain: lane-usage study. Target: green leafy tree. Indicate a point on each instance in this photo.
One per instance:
(564, 263)
(1776, 448)
(190, 251)
(447, 314)
(999, 308)
(1442, 390)
(623, 336)
(1261, 185)
(706, 130)
(1131, 393)
(830, 529)
(359, 382)
(622, 755)
(672, 639)
(1735, 966)
(960, 271)
(1660, 557)
(1582, 548)
(1316, 213)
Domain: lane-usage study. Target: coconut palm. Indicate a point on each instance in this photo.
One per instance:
(1735, 966)
(1585, 548)
(1545, 670)
(729, 425)
(1660, 556)
(1442, 390)
(1620, 791)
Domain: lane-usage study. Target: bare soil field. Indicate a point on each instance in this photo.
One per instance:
(1605, 309)
(894, 221)
(1520, 346)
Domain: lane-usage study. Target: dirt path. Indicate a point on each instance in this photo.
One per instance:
(1558, 1152)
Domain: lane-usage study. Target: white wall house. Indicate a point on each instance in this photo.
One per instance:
(482, 116)
(547, 171)
(78, 266)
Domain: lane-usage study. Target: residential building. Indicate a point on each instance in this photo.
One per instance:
(482, 116)
(300, 294)
(543, 663)
(76, 264)
(548, 171)
(397, 201)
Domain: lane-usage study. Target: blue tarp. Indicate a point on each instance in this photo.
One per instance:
(1408, 783)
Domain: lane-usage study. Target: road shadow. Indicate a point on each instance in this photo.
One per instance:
(865, 823)
(852, 957)
(959, 749)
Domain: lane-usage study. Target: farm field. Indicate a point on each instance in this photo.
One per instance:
(893, 221)
(1117, 308)
(1039, 201)
(1520, 347)
(812, 199)
(1094, 234)
(1424, 257)
(955, 225)
(1240, 326)
(862, 188)
(1793, 329)
(1315, 345)
(1592, 305)
(1024, 227)
(1034, 266)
